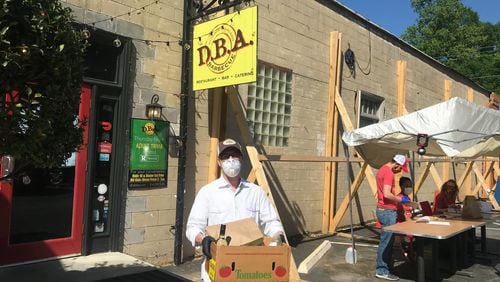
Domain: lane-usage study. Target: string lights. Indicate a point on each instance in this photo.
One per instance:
(117, 42)
(87, 34)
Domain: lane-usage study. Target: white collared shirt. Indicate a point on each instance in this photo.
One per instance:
(216, 203)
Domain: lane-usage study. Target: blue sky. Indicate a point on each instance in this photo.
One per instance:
(396, 15)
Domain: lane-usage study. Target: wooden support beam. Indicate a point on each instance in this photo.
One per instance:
(493, 201)
(345, 203)
(447, 96)
(306, 159)
(215, 126)
(251, 176)
(470, 95)
(401, 87)
(346, 121)
(331, 139)
(314, 257)
(423, 176)
(465, 176)
(481, 178)
(239, 114)
(372, 181)
(436, 177)
(491, 195)
(497, 168)
(253, 155)
(447, 89)
(260, 175)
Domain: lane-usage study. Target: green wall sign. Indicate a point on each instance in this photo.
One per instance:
(148, 153)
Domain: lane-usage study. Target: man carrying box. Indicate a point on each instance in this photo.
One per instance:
(227, 199)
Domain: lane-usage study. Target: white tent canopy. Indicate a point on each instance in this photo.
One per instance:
(456, 128)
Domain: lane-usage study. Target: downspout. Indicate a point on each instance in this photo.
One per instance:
(181, 171)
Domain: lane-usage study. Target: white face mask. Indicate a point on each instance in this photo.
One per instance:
(231, 167)
(408, 190)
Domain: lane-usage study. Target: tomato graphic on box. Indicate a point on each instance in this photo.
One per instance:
(225, 271)
(280, 271)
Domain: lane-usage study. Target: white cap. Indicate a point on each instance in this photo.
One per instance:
(402, 161)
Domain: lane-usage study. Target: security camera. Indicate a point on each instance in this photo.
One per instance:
(117, 43)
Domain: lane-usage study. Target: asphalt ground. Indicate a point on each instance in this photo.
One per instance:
(333, 267)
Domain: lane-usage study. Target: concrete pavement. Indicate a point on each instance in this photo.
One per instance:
(118, 267)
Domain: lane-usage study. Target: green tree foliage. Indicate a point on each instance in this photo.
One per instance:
(41, 59)
(453, 34)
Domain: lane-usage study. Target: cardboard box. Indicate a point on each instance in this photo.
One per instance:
(249, 263)
(244, 232)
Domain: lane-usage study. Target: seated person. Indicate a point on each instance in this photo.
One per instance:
(404, 213)
(404, 209)
(446, 197)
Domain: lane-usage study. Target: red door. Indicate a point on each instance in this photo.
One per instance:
(41, 212)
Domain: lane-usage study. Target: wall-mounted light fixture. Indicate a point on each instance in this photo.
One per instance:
(350, 59)
(422, 142)
(153, 110)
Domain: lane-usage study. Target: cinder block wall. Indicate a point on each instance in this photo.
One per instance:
(294, 35)
(155, 68)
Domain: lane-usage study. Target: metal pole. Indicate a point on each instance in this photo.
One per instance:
(412, 174)
(346, 150)
(181, 170)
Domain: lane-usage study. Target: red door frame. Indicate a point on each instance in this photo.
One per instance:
(53, 247)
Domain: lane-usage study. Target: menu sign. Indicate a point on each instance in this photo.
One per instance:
(148, 153)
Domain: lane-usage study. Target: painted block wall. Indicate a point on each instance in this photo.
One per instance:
(294, 35)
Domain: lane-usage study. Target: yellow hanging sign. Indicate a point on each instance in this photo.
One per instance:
(225, 50)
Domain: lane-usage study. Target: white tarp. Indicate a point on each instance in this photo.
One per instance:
(456, 128)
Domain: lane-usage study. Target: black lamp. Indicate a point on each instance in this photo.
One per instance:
(153, 110)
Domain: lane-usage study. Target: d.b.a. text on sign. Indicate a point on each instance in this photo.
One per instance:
(225, 50)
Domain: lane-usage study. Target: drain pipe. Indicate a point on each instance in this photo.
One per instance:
(181, 170)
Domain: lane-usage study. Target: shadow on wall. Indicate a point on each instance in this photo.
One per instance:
(289, 211)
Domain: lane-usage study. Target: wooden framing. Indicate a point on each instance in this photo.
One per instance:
(257, 173)
(215, 132)
(331, 215)
(401, 87)
(331, 147)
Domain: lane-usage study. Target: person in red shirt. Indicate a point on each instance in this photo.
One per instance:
(404, 211)
(404, 214)
(446, 198)
(387, 202)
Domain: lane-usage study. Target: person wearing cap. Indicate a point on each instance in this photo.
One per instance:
(229, 198)
(387, 202)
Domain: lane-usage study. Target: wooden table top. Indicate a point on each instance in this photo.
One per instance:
(435, 231)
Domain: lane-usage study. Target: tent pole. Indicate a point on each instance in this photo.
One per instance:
(454, 172)
(412, 174)
(346, 150)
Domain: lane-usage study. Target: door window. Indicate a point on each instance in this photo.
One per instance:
(101, 191)
(42, 203)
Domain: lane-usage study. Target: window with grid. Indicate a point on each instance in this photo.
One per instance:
(269, 105)
(370, 107)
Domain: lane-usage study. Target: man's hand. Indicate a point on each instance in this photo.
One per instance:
(205, 246)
